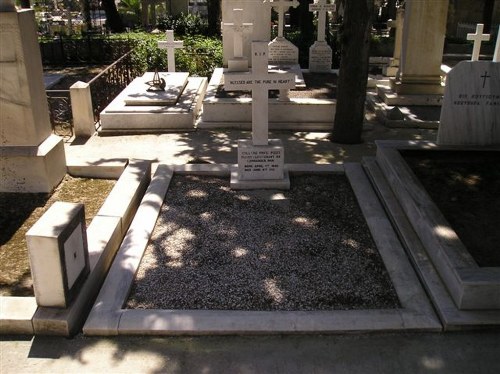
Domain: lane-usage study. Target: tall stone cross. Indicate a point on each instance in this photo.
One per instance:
(281, 6)
(260, 81)
(170, 45)
(478, 38)
(239, 28)
(321, 7)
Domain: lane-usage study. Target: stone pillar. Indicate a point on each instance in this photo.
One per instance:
(81, 105)
(422, 51)
(393, 67)
(31, 158)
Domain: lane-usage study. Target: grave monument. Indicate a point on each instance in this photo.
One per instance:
(240, 30)
(32, 159)
(261, 160)
(255, 12)
(470, 114)
(320, 53)
(172, 101)
(281, 50)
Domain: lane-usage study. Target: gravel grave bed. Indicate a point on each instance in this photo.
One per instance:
(216, 248)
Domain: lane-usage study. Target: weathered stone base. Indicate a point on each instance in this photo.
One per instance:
(32, 169)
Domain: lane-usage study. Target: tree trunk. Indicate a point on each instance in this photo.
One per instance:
(353, 74)
(113, 19)
(214, 17)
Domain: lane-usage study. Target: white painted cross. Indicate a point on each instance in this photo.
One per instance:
(260, 81)
(496, 55)
(170, 45)
(478, 38)
(239, 28)
(321, 7)
(281, 6)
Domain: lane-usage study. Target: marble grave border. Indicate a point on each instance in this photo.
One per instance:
(108, 316)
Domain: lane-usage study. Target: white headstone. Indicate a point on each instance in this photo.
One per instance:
(496, 55)
(471, 106)
(59, 259)
(320, 53)
(171, 45)
(281, 50)
(238, 62)
(259, 81)
(478, 38)
(256, 12)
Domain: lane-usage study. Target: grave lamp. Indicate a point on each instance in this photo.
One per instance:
(157, 83)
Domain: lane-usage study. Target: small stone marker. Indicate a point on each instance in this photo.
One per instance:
(478, 38)
(59, 259)
(238, 62)
(170, 45)
(470, 114)
(320, 53)
(281, 50)
(261, 162)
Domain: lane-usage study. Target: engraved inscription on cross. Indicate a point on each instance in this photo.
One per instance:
(478, 38)
(321, 7)
(170, 45)
(281, 6)
(260, 81)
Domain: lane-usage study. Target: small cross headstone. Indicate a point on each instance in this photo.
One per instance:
(260, 81)
(170, 45)
(478, 38)
(281, 6)
(320, 53)
(261, 162)
(470, 113)
(322, 8)
(281, 50)
(238, 63)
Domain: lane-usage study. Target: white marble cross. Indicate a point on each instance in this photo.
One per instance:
(170, 45)
(321, 7)
(281, 6)
(239, 28)
(260, 81)
(496, 55)
(478, 38)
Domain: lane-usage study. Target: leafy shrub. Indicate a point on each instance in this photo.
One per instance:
(183, 24)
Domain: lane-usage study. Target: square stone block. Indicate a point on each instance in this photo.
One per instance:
(58, 251)
(260, 162)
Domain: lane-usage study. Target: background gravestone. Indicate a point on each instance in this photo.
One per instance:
(471, 106)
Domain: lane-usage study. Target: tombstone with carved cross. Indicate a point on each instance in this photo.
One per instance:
(470, 114)
(320, 53)
(261, 160)
(240, 33)
(281, 50)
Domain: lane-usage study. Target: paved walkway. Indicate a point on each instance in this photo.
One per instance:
(462, 352)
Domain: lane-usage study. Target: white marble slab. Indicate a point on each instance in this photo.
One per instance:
(471, 106)
(137, 93)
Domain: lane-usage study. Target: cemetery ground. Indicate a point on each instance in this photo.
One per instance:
(451, 352)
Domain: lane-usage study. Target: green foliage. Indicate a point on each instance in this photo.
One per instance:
(183, 24)
(199, 56)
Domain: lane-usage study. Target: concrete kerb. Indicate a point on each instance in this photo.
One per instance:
(441, 277)
(108, 316)
(20, 315)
